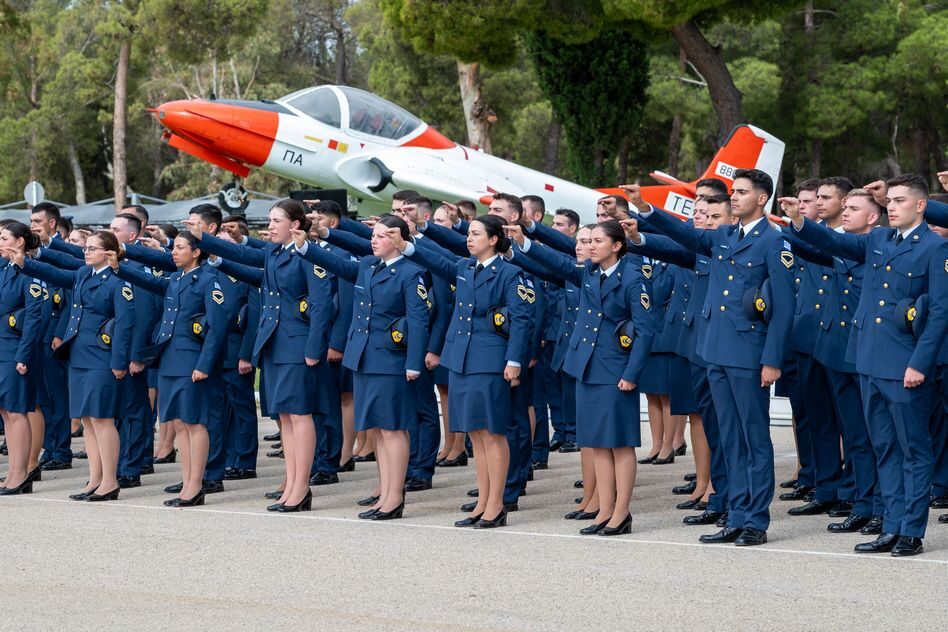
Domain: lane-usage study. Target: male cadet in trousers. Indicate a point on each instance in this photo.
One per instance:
(744, 354)
(53, 389)
(861, 215)
(896, 367)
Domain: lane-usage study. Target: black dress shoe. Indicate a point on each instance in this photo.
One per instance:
(368, 458)
(191, 502)
(701, 506)
(174, 489)
(470, 521)
(578, 484)
(594, 528)
(469, 507)
(276, 446)
(304, 505)
(587, 515)
(624, 527)
(55, 464)
(77, 433)
(275, 506)
(751, 537)
(147, 469)
(458, 461)
(239, 474)
(572, 515)
(36, 474)
(348, 466)
(841, 509)
(647, 460)
(799, 493)
(939, 502)
(789, 484)
(873, 527)
(26, 487)
(416, 485)
(97, 498)
(80, 496)
(171, 457)
(128, 482)
(499, 521)
(685, 490)
(725, 535)
(272, 437)
(537, 465)
(668, 460)
(688, 504)
(578, 500)
(324, 478)
(555, 445)
(722, 521)
(365, 515)
(851, 524)
(691, 476)
(568, 447)
(943, 518)
(80, 454)
(276, 454)
(882, 544)
(907, 546)
(530, 474)
(213, 487)
(473, 493)
(3, 448)
(812, 508)
(682, 450)
(394, 514)
(273, 495)
(368, 502)
(508, 507)
(708, 517)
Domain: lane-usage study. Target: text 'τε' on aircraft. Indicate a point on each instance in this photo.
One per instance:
(338, 137)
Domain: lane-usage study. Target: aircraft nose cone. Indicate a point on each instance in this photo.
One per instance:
(239, 132)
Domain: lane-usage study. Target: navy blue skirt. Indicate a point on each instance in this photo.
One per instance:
(387, 402)
(95, 393)
(180, 398)
(607, 417)
(479, 401)
(18, 392)
(345, 379)
(441, 375)
(292, 389)
(654, 377)
(680, 393)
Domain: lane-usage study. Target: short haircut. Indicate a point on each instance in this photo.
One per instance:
(843, 185)
(512, 200)
(862, 193)
(64, 222)
(719, 198)
(239, 219)
(572, 217)
(132, 219)
(327, 207)
(911, 180)
(169, 230)
(810, 184)
(536, 200)
(51, 210)
(140, 211)
(420, 201)
(760, 180)
(209, 213)
(404, 194)
(713, 183)
(468, 205)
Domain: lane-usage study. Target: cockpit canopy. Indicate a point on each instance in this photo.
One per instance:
(362, 111)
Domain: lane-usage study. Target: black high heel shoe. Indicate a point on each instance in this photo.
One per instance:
(368, 458)
(304, 505)
(682, 450)
(648, 460)
(171, 457)
(367, 515)
(593, 529)
(80, 496)
(470, 521)
(273, 495)
(624, 527)
(458, 461)
(36, 474)
(275, 506)
(197, 500)
(368, 502)
(26, 487)
(587, 515)
(499, 521)
(668, 460)
(348, 466)
(112, 495)
(394, 514)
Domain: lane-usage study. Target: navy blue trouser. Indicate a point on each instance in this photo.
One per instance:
(58, 434)
(709, 419)
(806, 477)
(939, 430)
(218, 420)
(518, 441)
(136, 427)
(821, 426)
(568, 392)
(425, 436)
(241, 431)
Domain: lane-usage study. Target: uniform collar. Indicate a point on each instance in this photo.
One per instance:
(392, 262)
(486, 263)
(608, 272)
(96, 271)
(905, 234)
(749, 226)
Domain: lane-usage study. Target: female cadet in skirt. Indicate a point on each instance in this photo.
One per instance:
(606, 371)
(292, 340)
(187, 347)
(385, 351)
(97, 346)
(21, 307)
(483, 361)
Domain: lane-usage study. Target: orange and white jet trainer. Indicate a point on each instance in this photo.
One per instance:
(338, 137)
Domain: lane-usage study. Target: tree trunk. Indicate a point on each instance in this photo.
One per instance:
(624, 148)
(477, 115)
(707, 60)
(119, 124)
(73, 156)
(551, 148)
(816, 157)
(674, 145)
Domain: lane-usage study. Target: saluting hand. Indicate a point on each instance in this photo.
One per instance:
(150, 242)
(16, 256)
(193, 227)
(626, 385)
(396, 236)
(21, 368)
(515, 233)
(791, 206)
(111, 258)
(634, 193)
(631, 228)
(452, 210)
(912, 378)
(299, 237)
(197, 376)
(943, 178)
(877, 189)
(769, 375)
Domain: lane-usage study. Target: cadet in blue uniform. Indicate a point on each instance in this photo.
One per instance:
(484, 365)
(187, 349)
(21, 306)
(896, 369)
(97, 344)
(744, 354)
(613, 292)
(385, 352)
(291, 342)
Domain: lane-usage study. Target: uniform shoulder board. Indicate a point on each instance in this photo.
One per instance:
(320, 272)
(786, 258)
(217, 285)
(528, 282)
(353, 258)
(232, 279)
(35, 289)
(127, 293)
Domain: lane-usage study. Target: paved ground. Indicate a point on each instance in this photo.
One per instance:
(231, 565)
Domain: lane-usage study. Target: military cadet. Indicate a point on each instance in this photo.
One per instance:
(485, 350)
(97, 344)
(290, 347)
(467, 210)
(896, 368)
(614, 295)
(53, 393)
(744, 354)
(21, 303)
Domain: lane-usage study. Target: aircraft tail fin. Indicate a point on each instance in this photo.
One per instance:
(747, 147)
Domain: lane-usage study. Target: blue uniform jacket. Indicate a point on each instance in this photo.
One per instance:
(186, 296)
(18, 290)
(882, 347)
(381, 296)
(733, 338)
(252, 279)
(95, 299)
